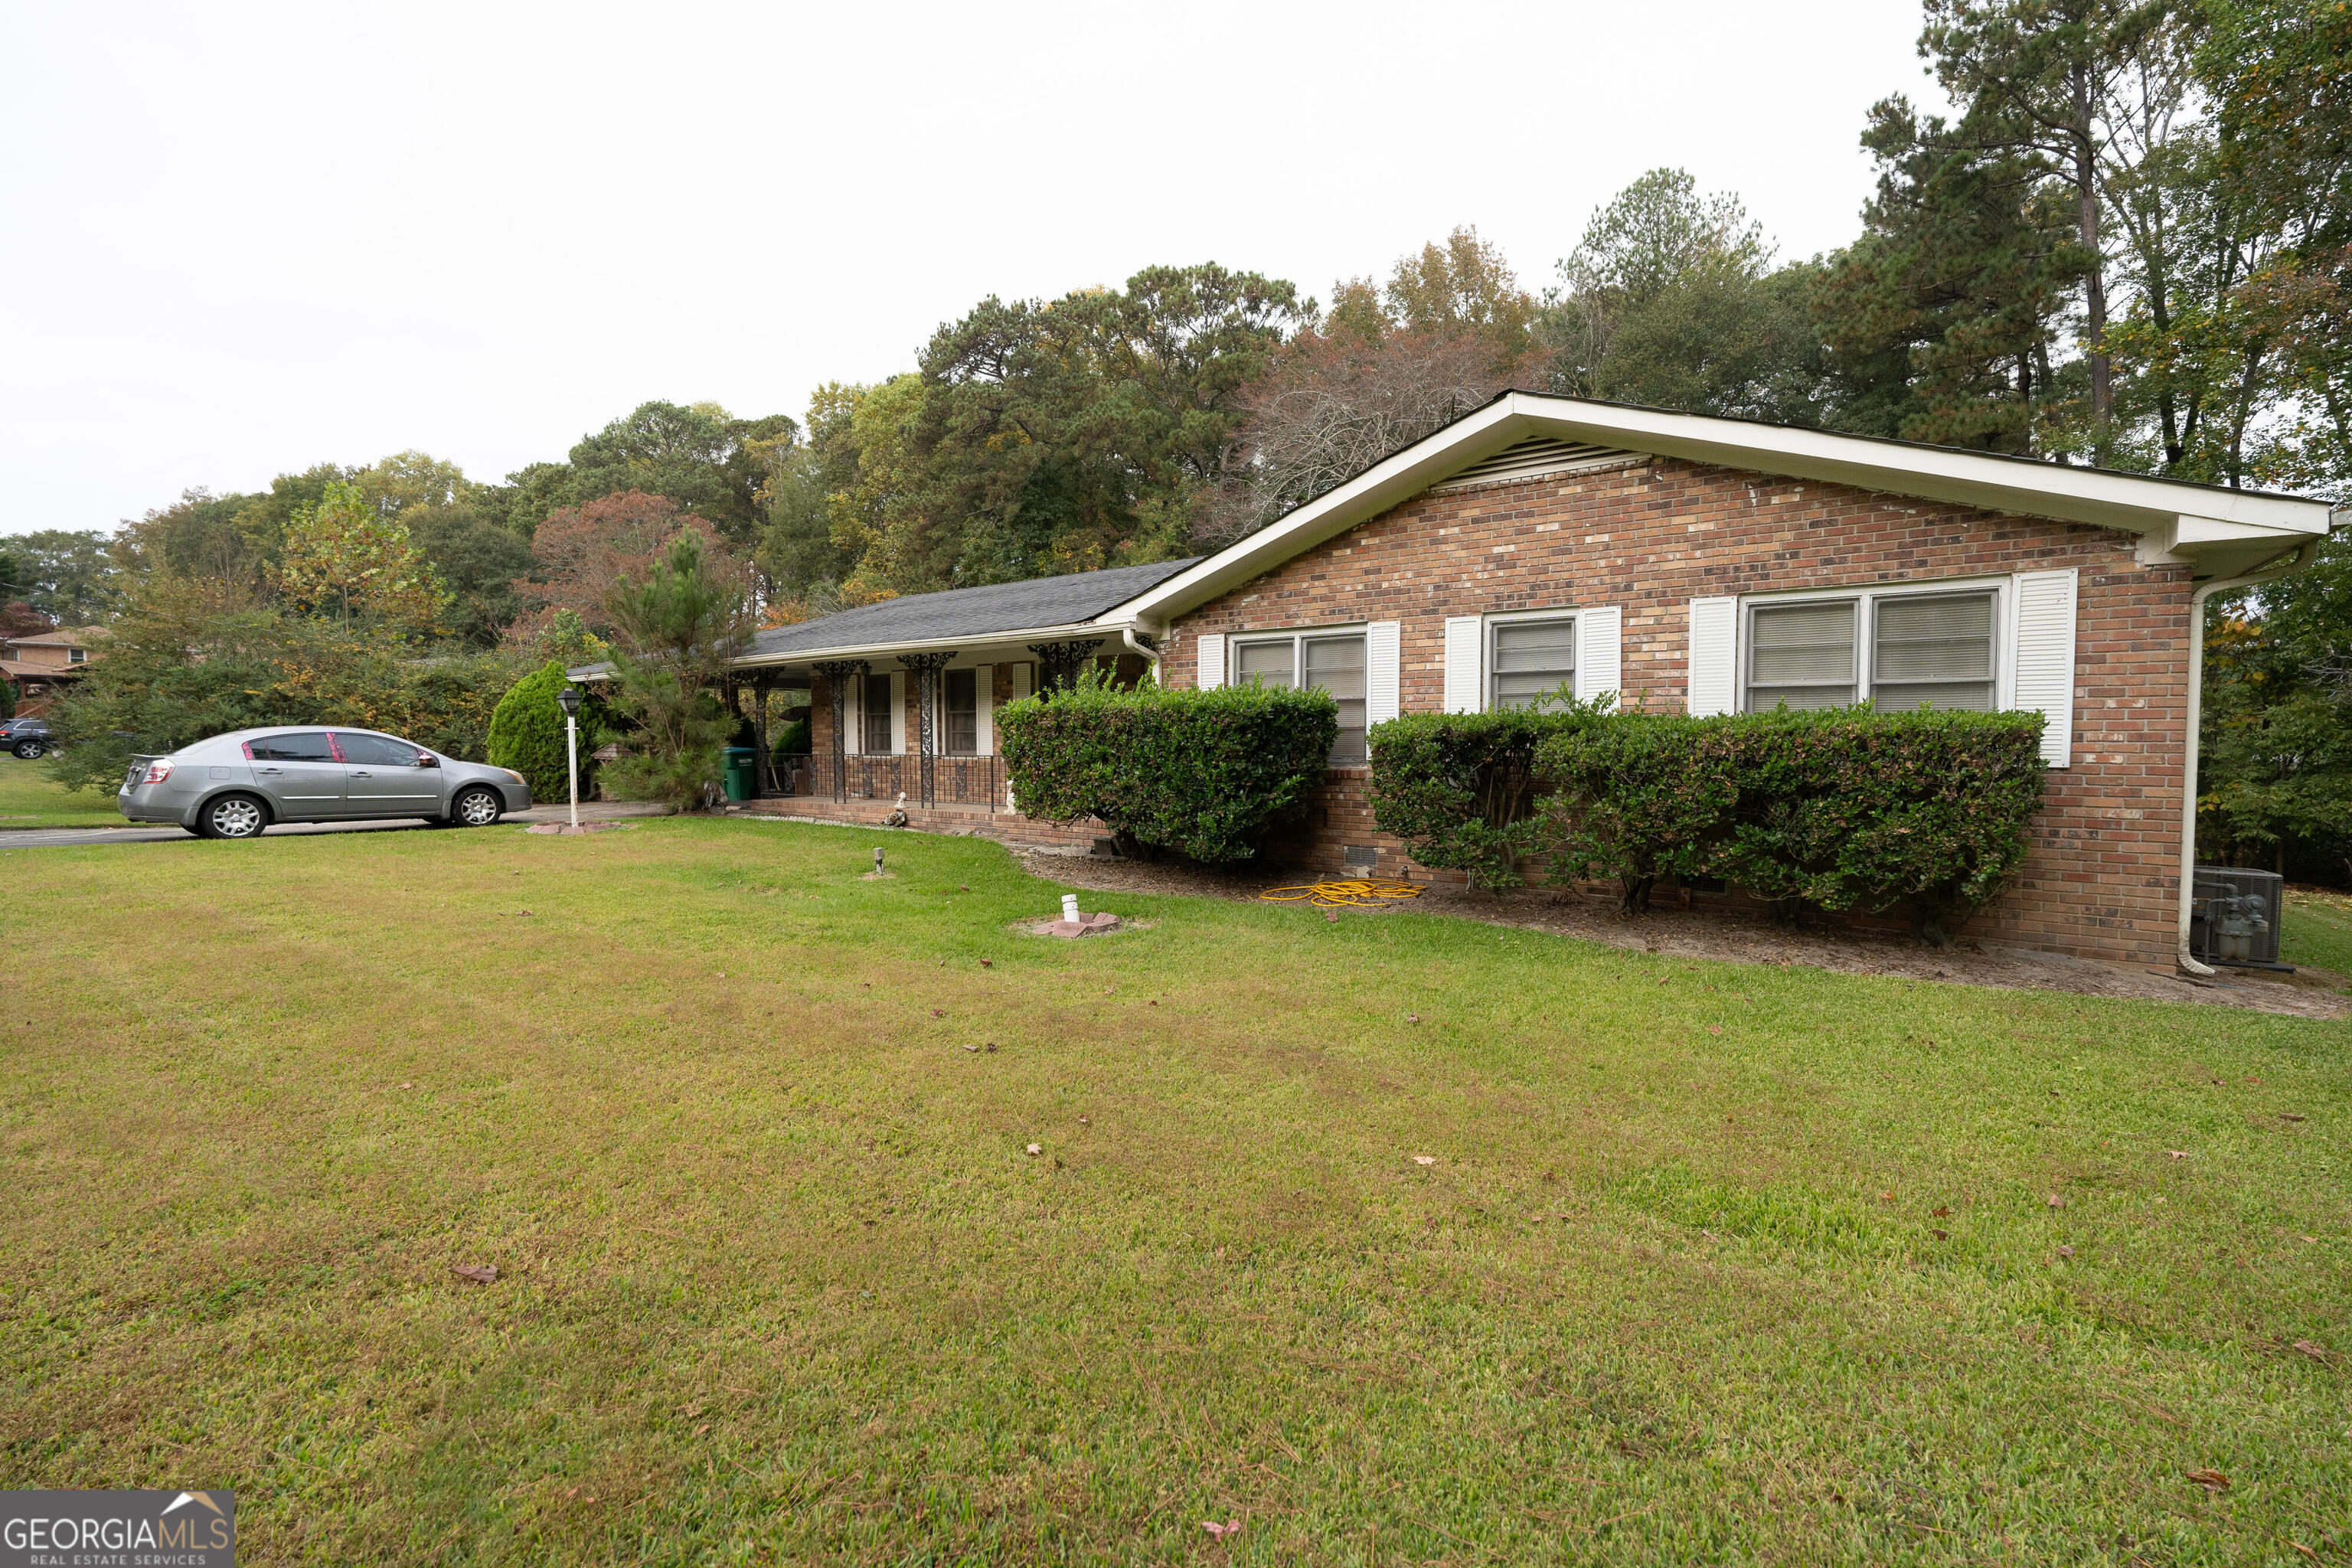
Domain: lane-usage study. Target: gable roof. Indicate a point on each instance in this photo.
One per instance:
(1038, 605)
(2218, 530)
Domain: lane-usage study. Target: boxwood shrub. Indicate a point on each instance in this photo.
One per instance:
(1461, 789)
(1204, 773)
(1843, 809)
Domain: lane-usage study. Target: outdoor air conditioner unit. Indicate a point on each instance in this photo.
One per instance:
(2233, 917)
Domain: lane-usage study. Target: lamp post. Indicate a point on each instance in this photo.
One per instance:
(568, 700)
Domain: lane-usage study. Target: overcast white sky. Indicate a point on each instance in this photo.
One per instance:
(244, 239)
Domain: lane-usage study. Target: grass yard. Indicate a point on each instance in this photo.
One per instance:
(1710, 1263)
(2315, 929)
(30, 798)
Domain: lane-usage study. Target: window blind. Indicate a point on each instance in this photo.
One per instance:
(1801, 654)
(1532, 658)
(1934, 649)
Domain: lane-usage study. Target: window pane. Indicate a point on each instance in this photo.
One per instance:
(1336, 665)
(376, 751)
(960, 736)
(1265, 662)
(878, 714)
(1801, 654)
(307, 748)
(1934, 649)
(1532, 659)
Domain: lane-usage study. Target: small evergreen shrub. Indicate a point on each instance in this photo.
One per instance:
(1462, 790)
(1638, 796)
(1843, 809)
(1204, 773)
(792, 739)
(527, 733)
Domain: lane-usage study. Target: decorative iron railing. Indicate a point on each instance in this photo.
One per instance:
(955, 781)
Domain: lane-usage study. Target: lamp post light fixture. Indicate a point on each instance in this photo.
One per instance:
(568, 700)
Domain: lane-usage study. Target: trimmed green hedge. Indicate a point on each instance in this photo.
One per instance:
(1204, 772)
(1461, 789)
(1843, 809)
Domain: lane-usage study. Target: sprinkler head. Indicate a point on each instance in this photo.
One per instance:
(877, 858)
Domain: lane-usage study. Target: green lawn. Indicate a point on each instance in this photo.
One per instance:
(2315, 929)
(30, 798)
(1712, 1263)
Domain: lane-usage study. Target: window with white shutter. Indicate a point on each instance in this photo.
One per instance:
(1601, 654)
(983, 710)
(1465, 646)
(1383, 671)
(898, 712)
(1713, 657)
(1801, 655)
(1209, 661)
(2044, 639)
(1529, 661)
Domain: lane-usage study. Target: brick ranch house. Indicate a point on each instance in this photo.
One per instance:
(1675, 560)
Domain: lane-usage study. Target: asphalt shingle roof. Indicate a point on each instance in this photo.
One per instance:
(996, 609)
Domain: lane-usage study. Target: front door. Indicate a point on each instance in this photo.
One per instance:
(381, 777)
(299, 772)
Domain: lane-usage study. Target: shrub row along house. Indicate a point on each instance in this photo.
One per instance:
(1660, 560)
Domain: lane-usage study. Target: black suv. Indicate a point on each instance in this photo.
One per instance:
(27, 738)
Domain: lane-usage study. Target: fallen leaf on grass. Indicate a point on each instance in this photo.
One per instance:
(2306, 1551)
(1941, 1235)
(1035, 1150)
(1331, 915)
(2289, 1116)
(699, 1431)
(1941, 1210)
(938, 1012)
(2308, 1348)
(480, 1273)
(2211, 1481)
(2054, 1201)
(1886, 1197)
(2065, 1252)
(1231, 1527)
(408, 1086)
(1715, 1028)
(2177, 1154)
(1424, 1159)
(987, 962)
(972, 1047)
(1413, 1017)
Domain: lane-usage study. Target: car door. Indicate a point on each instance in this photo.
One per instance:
(299, 772)
(384, 777)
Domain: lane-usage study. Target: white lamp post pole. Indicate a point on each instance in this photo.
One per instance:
(568, 700)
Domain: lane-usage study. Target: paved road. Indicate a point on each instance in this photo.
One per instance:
(62, 837)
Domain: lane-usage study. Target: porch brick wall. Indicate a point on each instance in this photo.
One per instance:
(2101, 879)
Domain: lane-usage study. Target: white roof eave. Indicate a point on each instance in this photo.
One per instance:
(2182, 519)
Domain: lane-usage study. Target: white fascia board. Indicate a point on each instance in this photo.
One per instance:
(973, 645)
(2008, 485)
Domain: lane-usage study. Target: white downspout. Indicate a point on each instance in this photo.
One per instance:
(1127, 636)
(2295, 561)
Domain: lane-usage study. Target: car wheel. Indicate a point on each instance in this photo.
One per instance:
(477, 806)
(31, 750)
(233, 816)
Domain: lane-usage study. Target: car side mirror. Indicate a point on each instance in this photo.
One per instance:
(427, 760)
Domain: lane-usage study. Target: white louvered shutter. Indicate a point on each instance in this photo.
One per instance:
(1384, 670)
(2045, 658)
(853, 716)
(1601, 655)
(983, 710)
(1714, 657)
(1466, 637)
(1019, 684)
(898, 712)
(1209, 661)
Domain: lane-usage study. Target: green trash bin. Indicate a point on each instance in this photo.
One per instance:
(739, 777)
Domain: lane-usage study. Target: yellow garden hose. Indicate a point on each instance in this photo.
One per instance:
(1355, 893)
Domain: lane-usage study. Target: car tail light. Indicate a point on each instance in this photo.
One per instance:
(158, 771)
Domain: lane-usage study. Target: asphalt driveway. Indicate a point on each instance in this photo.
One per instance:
(64, 837)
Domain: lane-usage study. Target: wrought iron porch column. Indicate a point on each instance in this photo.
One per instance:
(926, 666)
(836, 673)
(1058, 663)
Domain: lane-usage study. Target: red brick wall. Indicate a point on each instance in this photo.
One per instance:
(2103, 879)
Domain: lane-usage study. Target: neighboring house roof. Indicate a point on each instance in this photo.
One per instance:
(18, 669)
(78, 637)
(1038, 606)
(1523, 435)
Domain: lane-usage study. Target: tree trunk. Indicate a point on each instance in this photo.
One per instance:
(2094, 282)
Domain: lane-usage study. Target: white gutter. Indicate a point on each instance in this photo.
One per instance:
(1127, 636)
(2295, 561)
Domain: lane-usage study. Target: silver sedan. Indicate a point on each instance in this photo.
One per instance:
(233, 785)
